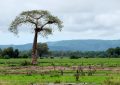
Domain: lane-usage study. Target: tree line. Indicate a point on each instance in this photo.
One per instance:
(10, 52)
(109, 53)
(44, 52)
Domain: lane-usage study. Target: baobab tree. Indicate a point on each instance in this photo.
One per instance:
(41, 22)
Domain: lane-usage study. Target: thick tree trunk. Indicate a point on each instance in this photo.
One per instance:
(34, 49)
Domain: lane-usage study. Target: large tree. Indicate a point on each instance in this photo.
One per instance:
(40, 21)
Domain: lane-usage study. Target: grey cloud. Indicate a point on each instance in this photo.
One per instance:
(78, 15)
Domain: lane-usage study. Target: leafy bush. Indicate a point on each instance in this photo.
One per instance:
(73, 57)
(112, 81)
(24, 56)
(25, 63)
(41, 57)
(90, 73)
(6, 57)
(57, 81)
(54, 75)
(52, 57)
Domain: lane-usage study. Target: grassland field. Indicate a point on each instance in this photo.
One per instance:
(93, 71)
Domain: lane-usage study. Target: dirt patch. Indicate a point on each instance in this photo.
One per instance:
(39, 69)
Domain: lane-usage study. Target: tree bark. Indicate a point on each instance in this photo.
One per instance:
(34, 49)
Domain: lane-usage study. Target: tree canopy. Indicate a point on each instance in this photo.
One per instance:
(42, 49)
(41, 22)
(37, 19)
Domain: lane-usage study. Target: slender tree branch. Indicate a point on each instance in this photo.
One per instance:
(40, 17)
(44, 25)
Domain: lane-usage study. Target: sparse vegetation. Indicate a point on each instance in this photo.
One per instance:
(81, 70)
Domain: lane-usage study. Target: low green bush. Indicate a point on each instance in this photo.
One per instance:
(73, 57)
(25, 63)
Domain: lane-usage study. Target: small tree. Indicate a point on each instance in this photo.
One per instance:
(8, 51)
(41, 22)
(0, 52)
(42, 49)
(16, 53)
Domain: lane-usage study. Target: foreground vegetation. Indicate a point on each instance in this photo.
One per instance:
(92, 71)
(38, 79)
(44, 52)
(105, 62)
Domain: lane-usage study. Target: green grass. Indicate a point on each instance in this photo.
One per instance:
(112, 62)
(99, 77)
(38, 79)
(47, 79)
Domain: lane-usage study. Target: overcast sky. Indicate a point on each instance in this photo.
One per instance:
(82, 19)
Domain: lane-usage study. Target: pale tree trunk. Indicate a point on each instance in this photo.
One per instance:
(34, 49)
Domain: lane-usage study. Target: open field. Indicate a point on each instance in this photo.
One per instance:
(92, 71)
(109, 62)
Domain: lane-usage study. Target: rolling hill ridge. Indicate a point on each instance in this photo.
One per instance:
(73, 45)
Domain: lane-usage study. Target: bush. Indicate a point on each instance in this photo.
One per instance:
(73, 57)
(90, 73)
(25, 56)
(25, 63)
(52, 57)
(41, 57)
(86, 57)
(112, 81)
(6, 57)
(57, 81)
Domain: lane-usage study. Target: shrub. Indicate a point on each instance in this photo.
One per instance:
(90, 73)
(112, 81)
(57, 81)
(25, 56)
(6, 57)
(41, 57)
(73, 57)
(52, 57)
(25, 63)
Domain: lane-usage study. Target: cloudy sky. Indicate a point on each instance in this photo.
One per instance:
(83, 19)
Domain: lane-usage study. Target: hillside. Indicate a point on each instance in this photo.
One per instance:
(81, 45)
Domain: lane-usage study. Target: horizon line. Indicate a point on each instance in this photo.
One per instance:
(64, 40)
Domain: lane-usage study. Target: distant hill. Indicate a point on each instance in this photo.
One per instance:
(73, 45)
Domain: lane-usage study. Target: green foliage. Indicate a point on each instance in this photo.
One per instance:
(113, 52)
(26, 74)
(51, 57)
(41, 22)
(112, 81)
(40, 19)
(6, 57)
(10, 52)
(42, 49)
(24, 56)
(79, 54)
(16, 53)
(25, 63)
(109, 53)
(73, 57)
(102, 62)
(0, 52)
(38, 79)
